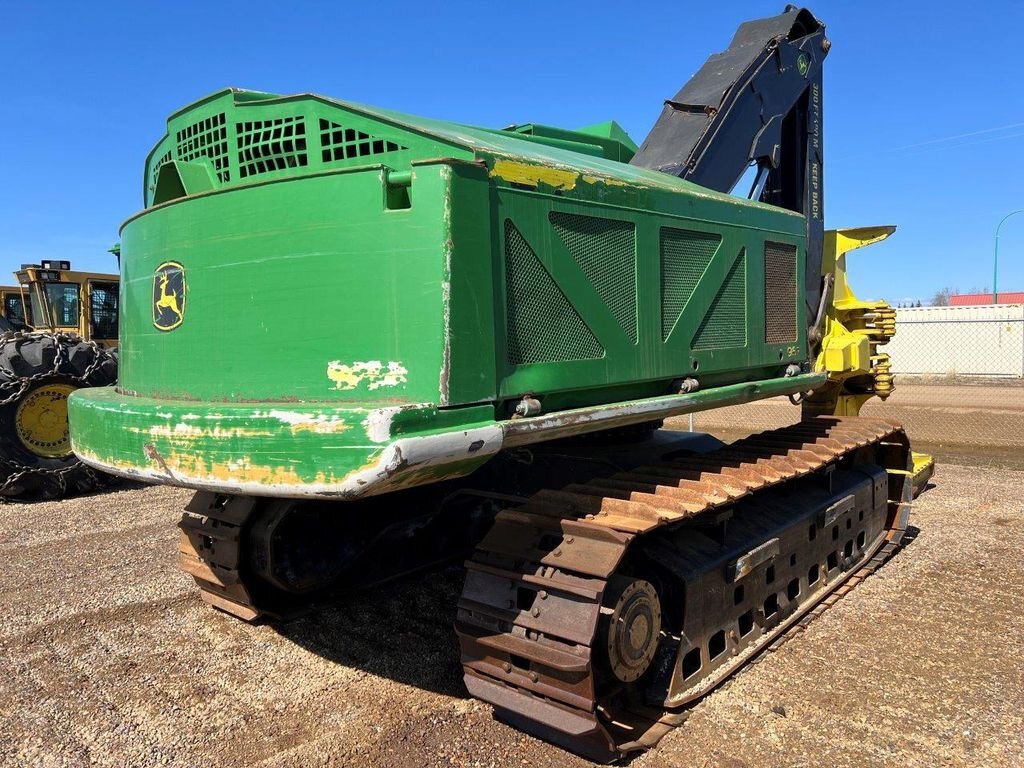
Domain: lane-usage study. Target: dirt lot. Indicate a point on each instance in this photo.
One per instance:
(107, 657)
(985, 419)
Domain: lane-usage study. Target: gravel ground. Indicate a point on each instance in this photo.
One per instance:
(108, 658)
(986, 419)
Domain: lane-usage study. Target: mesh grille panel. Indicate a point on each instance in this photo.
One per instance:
(606, 252)
(684, 257)
(543, 326)
(340, 143)
(725, 324)
(779, 293)
(271, 145)
(207, 138)
(165, 158)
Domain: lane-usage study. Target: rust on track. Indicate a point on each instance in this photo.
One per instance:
(539, 660)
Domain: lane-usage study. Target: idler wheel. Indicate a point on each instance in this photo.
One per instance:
(302, 547)
(633, 628)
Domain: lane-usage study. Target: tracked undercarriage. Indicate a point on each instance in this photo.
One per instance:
(575, 621)
(595, 612)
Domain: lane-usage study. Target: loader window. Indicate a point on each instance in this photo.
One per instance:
(103, 310)
(14, 309)
(63, 299)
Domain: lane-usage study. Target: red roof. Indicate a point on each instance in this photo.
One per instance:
(974, 299)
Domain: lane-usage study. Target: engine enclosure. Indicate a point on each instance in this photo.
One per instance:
(322, 298)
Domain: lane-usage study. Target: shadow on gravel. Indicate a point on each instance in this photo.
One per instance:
(402, 630)
(113, 485)
(910, 535)
(119, 484)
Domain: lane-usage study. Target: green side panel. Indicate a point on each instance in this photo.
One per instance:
(303, 289)
(695, 280)
(470, 374)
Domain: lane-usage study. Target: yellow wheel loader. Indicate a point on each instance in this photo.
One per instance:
(58, 332)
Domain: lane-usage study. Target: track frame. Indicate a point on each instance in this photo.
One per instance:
(530, 614)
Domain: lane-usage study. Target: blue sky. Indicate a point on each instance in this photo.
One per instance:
(924, 117)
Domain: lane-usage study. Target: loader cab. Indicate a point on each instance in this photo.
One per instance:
(58, 299)
(16, 310)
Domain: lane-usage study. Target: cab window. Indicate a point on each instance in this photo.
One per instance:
(63, 299)
(103, 306)
(14, 309)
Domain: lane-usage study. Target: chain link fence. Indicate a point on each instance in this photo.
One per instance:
(959, 387)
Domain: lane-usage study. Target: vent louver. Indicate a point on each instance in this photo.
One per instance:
(543, 326)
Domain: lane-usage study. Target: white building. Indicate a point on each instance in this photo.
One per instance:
(985, 340)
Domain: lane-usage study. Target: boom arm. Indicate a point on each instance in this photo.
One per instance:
(757, 102)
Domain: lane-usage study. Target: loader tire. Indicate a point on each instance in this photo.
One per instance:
(37, 373)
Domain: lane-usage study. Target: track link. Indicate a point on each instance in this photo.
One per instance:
(258, 558)
(211, 551)
(536, 594)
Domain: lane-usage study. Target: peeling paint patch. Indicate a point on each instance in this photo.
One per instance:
(610, 181)
(373, 373)
(188, 431)
(523, 173)
(378, 424)
(304, 422)
(150, 451)
(446, 295)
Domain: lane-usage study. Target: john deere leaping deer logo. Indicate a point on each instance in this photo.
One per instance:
(168, 296)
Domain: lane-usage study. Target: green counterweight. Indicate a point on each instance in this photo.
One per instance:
(321, 298)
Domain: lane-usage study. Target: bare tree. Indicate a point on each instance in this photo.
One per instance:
(941, 297)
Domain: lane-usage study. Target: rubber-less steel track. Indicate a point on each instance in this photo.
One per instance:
(211, 551)
(536, 594)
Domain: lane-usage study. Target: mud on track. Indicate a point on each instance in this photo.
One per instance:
(107, 657)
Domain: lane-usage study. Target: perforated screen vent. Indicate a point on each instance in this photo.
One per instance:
(543, 326)
(684, 257)
(155, 168)
(340, 143)
(725, 324)
(779, 293)
(271, 145)
(207, 138)
(605, 250)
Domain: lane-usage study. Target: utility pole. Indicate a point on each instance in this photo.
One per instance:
(995, 260)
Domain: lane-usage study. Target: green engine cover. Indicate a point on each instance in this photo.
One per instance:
(322, 298)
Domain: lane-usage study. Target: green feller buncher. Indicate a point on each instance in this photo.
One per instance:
(494, 324)
(58, 332)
